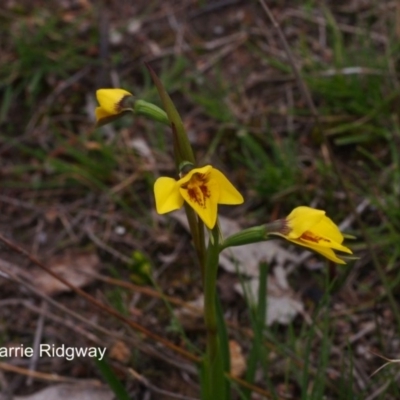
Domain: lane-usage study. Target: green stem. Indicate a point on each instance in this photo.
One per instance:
(151, 111)
(201, 251)
(210, 281)
(215, 384)
(258, 321)
(246, 236)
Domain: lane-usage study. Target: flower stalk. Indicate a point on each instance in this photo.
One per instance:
(215, 383)
(254, 234)
(151, 111)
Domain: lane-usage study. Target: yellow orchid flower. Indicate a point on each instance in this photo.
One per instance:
(311, 228)
(202, 188)
(111, 103)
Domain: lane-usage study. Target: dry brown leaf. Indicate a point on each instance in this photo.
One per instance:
(134, 25)
(51, 214)
(70, 391)
(238, 362)
(120, 351)
(92, 145)
(190, 317)
(144, 151)
(13, 269)
(71, 266)
(142, 147)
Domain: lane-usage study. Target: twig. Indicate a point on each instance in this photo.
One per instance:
(321, 21)
(44, 376)
(225, 51)
(300, 81)
(71, 324)
(255, 389)
(106, 247)
(111, 335)
(381, 389)
(36, 343)
(212, 7)
(155, 389)
(52, 97)
(104, 308)
(5, 389)
(9, 274)
(147, 291)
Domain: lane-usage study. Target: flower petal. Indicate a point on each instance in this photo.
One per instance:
(325, 251)
(101, 114)
(202, 171)
(227, 192)
(329, 229)
(302, 219)
(204, 204)
(110, 99)
(325, 240)
(166, 193)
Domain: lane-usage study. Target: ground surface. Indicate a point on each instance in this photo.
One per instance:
(80, 199)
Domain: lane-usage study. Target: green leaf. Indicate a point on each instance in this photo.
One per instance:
(258, 322)
(183, 149)
(112, 380)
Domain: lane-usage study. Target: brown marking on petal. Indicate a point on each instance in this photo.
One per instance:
(309, 236)
(120, 105)
(284, 227)
(205, 191)
(197, 189)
